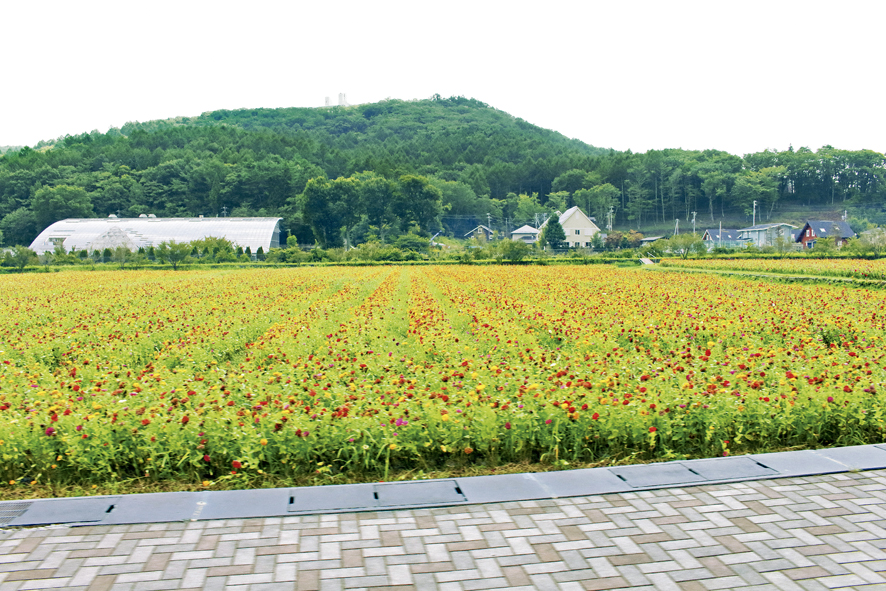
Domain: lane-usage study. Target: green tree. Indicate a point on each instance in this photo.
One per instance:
(527, 206)
(22, 256)
(173, 252)
(377, 197)
(412, 242)
(513, 250)
(121, 256)
(553, 234)
(683, 245)
(330, 207)
(51, 204)
(19, 226)
(420, 201)
(596, 201)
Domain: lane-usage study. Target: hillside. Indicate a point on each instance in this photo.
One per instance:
(380, 170)
(458, 139)
(257, 161)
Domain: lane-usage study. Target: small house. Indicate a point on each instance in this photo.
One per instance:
(578, 227)
(766, 234)
(817, 229)
(482, 232)
(526, 234)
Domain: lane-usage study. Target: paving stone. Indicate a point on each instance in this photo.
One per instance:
(795, 534)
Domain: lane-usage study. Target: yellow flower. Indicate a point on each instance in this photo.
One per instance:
(393, 446)
(444, 418)
(264, 441)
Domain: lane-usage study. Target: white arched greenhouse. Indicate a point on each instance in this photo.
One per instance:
(99, 233)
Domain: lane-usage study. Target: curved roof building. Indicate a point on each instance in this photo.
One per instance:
(100, 233)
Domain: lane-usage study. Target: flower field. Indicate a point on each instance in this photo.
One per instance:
(213, 376)
(851, 268)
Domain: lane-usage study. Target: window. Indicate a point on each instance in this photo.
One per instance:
(578, 232)
(587, 244)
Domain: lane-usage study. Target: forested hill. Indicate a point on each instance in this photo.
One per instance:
(376, 171)
(258, 162)
(458, 139)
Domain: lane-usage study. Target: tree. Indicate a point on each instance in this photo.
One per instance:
(873, 240)
(685, 244)
(420, 201)
(121, 255)
(784, 245)
(514, 250)
(173, 252)
(23, 256)
(825, 247)
(553, 234)
(19, 226)
(330, 206)
(527, 206)
(412, 242)
(51, 204)
(596, 201)
(378, 197)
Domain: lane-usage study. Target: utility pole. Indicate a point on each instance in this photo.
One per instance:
(489, 220)
(755, 214)
(224, 211)
(676, 226)
(609, 219)
(693, 222)
(720, 235)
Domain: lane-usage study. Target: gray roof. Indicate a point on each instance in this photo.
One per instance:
(717, 234)
(527, 229)
(761, 227)
(828, 228)
(100, 233)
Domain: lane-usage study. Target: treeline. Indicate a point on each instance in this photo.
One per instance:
(350, 174)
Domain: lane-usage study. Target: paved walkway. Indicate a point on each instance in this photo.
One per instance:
(821, 532)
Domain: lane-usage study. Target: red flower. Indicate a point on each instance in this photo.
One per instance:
(595, 416)
(652, 429)
(185, 420)
(507, 425)
(236, 465)
(206, 458)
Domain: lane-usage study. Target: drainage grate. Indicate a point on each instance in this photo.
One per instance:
(652, 475)
(9, 511)
(730, 468)
(337, 497)
(426, 492)
(46, 512)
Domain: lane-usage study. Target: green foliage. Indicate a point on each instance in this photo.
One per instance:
(399, 164)
(51, 204)
(22, 256)
(412, 242)
(514, 250)
(553, 234)
(684, 245)
(173, 253)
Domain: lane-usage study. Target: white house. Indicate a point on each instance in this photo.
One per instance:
(578, 227)
(526, 234)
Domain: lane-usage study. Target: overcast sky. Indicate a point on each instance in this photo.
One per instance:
(736, 76)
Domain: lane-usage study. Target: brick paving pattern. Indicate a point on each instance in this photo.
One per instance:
(822, 532)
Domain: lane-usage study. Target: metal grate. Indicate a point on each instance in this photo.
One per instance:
(9, 511)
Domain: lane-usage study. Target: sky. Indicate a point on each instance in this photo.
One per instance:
(630, 75)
